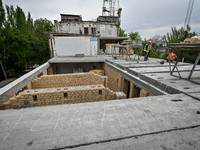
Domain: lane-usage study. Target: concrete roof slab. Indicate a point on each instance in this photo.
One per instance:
(161, 69)
(176, 140)
(76, 59)
(63, 126)
(172, 84)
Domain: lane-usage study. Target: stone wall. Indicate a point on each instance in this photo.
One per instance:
(144, 93)
(114, 78)
(65, 95)
(65, 80)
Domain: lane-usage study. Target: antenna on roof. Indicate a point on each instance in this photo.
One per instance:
(110, 7)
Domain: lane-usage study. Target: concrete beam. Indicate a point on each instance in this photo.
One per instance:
(19, 83)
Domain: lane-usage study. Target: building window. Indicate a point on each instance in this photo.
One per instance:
(98, 31)
(100, 92)
(93, 31)
(65, 95)
(86, 31)
(35, 98)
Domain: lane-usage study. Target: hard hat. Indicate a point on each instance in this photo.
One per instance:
(149, 42)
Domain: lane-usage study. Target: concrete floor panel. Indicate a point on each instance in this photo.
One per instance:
(98, 122)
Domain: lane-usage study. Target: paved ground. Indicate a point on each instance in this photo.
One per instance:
(156, 123)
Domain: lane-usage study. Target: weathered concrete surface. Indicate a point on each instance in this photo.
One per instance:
(154, 69)
(172, 84)
(18, 84)
(76, 59)
(145, 120)
(174, 140)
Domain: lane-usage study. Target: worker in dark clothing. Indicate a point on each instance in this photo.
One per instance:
(147, 48)
(171, 57)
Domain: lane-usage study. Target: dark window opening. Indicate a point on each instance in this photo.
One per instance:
(86, 31)
(65, 95)
(93, 31)
(26, 102)
(128, 92)
(100, 92)
(34, 98)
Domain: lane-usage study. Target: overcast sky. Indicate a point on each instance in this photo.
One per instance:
(147, 17)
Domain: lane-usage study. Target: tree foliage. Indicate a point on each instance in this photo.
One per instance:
(22, 40)
(175, 37)
(135, 36)
(121, 31)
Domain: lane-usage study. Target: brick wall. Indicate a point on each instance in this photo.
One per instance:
(114, 78)
(134, 91)
(125, 86)
(64, 80)
(120, 95)
(144, 93)
(65, 95)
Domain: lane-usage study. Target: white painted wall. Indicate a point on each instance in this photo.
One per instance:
(93, 48)
(69, 46)
(87, 45)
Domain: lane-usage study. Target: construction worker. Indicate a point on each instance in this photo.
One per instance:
(171, 56)
(146, 50)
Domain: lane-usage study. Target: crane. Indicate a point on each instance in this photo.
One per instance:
(187, 18)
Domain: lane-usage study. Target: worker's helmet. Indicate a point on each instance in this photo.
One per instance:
(173, 52)
(149, 42)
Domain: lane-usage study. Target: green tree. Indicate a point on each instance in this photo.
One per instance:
(2, 14)
(2, 20)
(18, 49)
(135, 36)
(23, 39)
(40, 41)
(121, 31)
(175, 37)
(16, 42)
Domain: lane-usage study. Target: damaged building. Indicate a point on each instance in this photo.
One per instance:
(103, 30)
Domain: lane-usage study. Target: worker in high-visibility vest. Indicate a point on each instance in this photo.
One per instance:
(147, 48)
(171, 57)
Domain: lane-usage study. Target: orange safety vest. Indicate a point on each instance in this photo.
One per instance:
(172, 56)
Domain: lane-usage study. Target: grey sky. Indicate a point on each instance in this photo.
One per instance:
(147, 17)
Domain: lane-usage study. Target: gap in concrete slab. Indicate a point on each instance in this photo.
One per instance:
(176, 100)
(186, 87)
(172, 82)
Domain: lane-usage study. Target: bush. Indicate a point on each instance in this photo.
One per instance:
(154, 55)
(164, 56)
